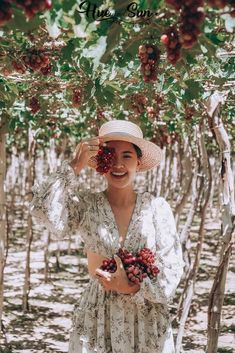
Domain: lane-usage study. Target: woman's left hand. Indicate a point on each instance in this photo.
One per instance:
(117, 281)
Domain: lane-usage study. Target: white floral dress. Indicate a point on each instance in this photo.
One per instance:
(109, 322)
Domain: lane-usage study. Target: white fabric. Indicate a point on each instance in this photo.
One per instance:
(109, 322)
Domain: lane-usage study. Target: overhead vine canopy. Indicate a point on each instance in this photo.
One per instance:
(67, 66)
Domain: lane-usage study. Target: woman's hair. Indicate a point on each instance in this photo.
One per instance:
(138, 150)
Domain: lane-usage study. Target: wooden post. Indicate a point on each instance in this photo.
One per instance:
(2, 219)
(29, 184)
(216, 297)
(204, 178)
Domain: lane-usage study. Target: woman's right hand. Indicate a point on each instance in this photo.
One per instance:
(84, 151)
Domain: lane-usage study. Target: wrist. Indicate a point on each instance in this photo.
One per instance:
(76, 168)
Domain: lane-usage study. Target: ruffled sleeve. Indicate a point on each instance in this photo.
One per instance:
(57, 204)
(169, 257)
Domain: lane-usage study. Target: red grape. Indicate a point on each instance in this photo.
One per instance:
(19, 67)
(149, 55)
(137, 267)
(34, 105)
(36, 60)
(77, 97)
(5, 12)
(32, 7)
(104, 159)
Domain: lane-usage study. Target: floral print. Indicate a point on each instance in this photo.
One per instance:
(109, 322)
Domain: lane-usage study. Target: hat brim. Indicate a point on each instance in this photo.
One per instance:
(152, 154)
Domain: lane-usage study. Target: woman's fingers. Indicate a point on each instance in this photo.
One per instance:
(101, 273)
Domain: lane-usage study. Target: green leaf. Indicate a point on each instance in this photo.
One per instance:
(77, 17)
(193, 90)
(68, 51)
(113, 39)
(68, 4)
(20, 22)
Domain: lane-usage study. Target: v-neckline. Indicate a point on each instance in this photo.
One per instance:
(114, 220)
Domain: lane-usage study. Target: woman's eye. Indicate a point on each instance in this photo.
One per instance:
(127, 156)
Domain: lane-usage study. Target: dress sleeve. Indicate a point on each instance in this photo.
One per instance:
(56, 203)
(169, 257)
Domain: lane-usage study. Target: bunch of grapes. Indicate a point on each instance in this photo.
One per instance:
(138, 102)
(109, 265)
(172, 42)
(32, 7)
(100, 113)
(104, 159)
(46, 70)
(149, 55)
(137, 267)
(189, 112)
(190, 20)
(34, 105)
(5, 12)
(19, 67)
(146, 259)
(77, 97)
(151, 112)
(191, 17)
(36, 60)
(162, 137)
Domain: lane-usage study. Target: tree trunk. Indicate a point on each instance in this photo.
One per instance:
(46, 257)
(186, 181)
(28, 197)
(216, 297)
(3, 233)
(205, 189)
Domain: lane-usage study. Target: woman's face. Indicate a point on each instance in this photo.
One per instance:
(125, 164)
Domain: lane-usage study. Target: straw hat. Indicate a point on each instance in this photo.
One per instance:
(123, 130)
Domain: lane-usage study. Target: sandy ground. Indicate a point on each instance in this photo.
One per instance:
(45, 328)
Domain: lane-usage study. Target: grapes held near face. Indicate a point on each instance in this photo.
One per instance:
(104, 159)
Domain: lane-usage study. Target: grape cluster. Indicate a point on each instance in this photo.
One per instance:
(138, 102)
(5, 12)
(172, 42)
(162, 137)
(191, 18)
(137, 266)
(36, 60)
(149, 55)
(109, 265)
(46, 70)
(77, 97)
(189, 112)
(32, 7)
(104, 159)
(100, 113)
(19, 67)
(146, 260)
(34, 105)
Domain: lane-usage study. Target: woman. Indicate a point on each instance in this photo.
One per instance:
(113, 315)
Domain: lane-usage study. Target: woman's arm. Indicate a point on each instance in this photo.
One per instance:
(56, 203)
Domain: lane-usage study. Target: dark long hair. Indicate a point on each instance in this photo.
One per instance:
(138, 150)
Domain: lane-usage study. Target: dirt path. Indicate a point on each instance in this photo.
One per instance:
(46, 327)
